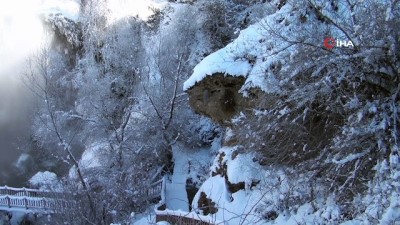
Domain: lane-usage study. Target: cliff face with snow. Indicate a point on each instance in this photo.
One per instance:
(309, 124)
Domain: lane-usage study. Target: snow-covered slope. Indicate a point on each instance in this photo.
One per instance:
(250, 56)
(302, 81)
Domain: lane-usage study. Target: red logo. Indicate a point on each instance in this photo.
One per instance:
(329, 42)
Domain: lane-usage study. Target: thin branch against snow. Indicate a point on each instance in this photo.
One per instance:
(77, 116)
(350, 158)
(335, 23)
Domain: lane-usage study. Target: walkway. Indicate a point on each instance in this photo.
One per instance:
(28, 200)
(24, 199)
(176, 196)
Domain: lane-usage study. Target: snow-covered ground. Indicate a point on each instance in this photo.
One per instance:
(187, 164)
(144, 219)
(176, 196)
(17, 217)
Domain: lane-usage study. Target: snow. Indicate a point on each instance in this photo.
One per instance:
(17, 217)
(67, 8)
(231, 60)
(392, 213)
(218, 62)
(242, 168)
(249, 205)
(245, 57)
(258, 79)
(373, 109)
(192, 215)
(144, 219)
(250, 55)
(188, 164)
(22, 159)
(126, 8)
(232, 207)
(45, 180)
(17, 189)
(91, 157)
(163, 223)
(237, 59)
(349, 158)
(176, 196)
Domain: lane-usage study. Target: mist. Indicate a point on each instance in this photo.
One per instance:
(20, 36)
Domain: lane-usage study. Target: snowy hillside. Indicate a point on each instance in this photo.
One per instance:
(308, 125)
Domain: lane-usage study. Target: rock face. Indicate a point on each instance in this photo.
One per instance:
(218, 97)
(67, 37)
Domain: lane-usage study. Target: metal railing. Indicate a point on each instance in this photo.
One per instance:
(33, 203)
(152, 191)
(34, 199)
(28, 192)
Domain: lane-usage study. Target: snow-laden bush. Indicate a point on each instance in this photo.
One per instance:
(45, 181)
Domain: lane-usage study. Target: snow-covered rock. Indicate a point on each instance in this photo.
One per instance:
(45, 181)
(247, 56)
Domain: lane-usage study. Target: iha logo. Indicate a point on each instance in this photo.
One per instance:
(331, 42)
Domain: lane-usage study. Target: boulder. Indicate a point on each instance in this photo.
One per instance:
(218, 97)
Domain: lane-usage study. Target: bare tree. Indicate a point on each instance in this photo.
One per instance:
(168, 64)
(40, 78)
